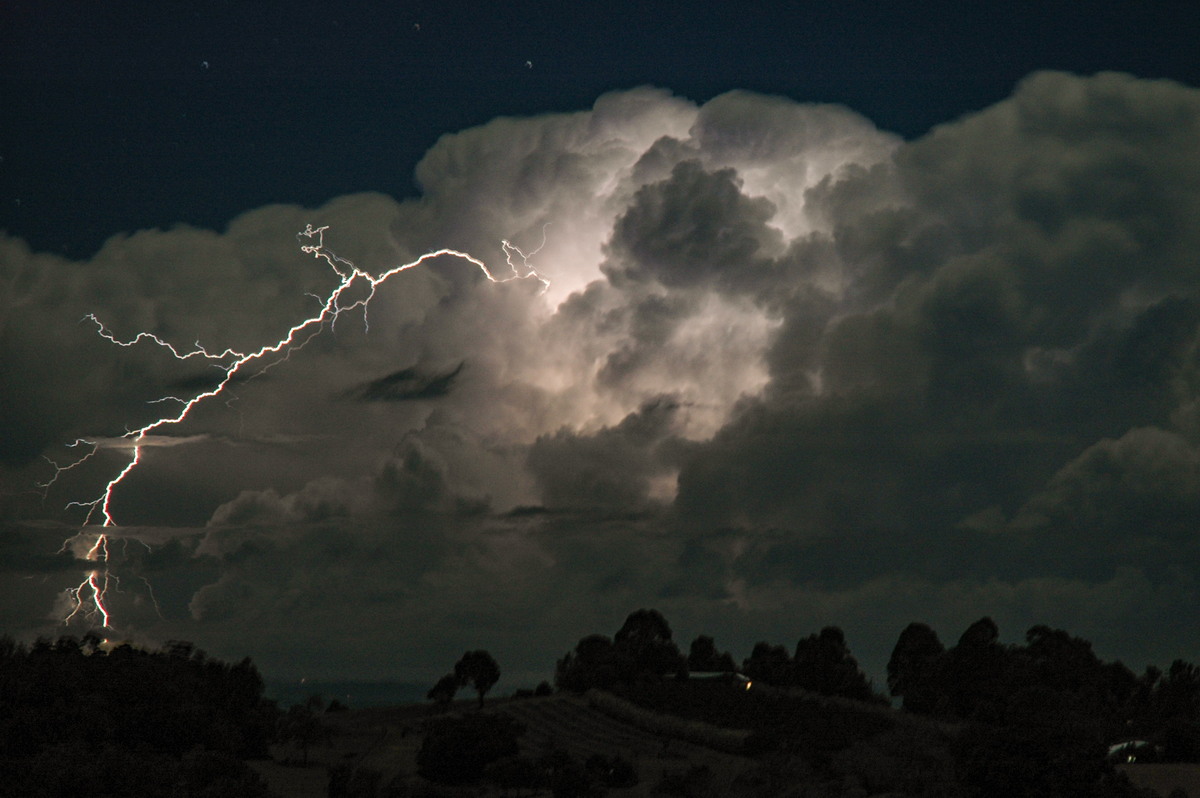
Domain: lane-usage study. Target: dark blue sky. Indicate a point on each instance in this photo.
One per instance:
(113, 122)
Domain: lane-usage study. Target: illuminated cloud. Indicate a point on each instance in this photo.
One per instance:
(789, 371)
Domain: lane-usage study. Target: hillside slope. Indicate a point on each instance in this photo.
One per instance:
(386, 741)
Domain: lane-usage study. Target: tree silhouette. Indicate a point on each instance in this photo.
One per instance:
(703, 656)
(914, 666)
(443, 692)
(1178, 693)
(644, 647)
(769, 664)
(646, 627)
(823, 664)
(978, 671)
(591, 664)
(478, 669)
(76, 719)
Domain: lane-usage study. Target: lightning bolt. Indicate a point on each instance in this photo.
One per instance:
(88, 599)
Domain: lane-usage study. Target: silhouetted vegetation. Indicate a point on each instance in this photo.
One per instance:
(912, 670)
(1029, 720)
(542, 690)
(978, 719)
(76, 718)
(703, 656)
(1053, 679)
(641, 650)
(822, 664)
(443, 692)
(479, 670)
(1041, 717)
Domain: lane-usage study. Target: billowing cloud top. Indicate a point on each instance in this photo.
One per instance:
(789, 371)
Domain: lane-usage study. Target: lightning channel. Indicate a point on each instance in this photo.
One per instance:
(89, 598)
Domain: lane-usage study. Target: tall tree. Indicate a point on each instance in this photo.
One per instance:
(978, 671)
(914, 666)
(443, 692)
(644, 647)
(769, 664)
(644, 627)
(591, 664)
(823, 663)
(703, 656)
(478, 669)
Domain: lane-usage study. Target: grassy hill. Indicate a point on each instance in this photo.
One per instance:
(877, 749)
(1032, 720)
(796, 741)
(385, 741)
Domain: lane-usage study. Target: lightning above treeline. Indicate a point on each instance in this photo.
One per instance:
(88, 599)
(792, 371)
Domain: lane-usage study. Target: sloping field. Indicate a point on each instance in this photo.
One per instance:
(568, 724)
(387, 740)
(571, 724)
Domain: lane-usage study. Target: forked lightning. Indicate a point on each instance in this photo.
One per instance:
(88, 598)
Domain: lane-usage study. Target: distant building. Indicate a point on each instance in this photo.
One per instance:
(739, 680)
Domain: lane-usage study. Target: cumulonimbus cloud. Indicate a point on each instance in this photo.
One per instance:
(779, 347)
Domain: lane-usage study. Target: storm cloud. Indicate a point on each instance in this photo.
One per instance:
(790, 371)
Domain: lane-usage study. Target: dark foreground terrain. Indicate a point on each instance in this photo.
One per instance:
(384, 743)
(632, 716)
(379, 747)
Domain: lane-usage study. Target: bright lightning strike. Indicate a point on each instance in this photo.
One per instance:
(89, 597)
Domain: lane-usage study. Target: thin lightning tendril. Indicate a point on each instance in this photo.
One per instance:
(88, 598)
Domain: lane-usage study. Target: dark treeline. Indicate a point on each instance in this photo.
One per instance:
(642, 650)
(1050, 706)
(1053, 674)
(1037, 719)
(980, 718)
(79, 719)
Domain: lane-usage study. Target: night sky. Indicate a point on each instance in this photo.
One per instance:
(859, 313)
